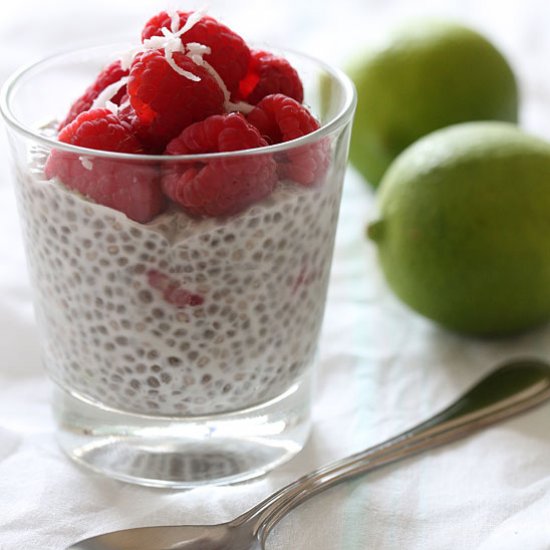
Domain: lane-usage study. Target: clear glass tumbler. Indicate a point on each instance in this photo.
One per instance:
(182, 349)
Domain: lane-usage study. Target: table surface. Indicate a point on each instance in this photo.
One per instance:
(382, 368)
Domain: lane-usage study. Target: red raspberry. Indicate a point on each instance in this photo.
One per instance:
(268, 74)
(219, 187)
(229, 55)
(165, 101)
(130, 187)
(172, 291)
(306, 276)
(111, 74)
(280, 118)
(149, 143)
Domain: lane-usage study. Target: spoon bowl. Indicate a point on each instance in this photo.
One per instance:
(511, 389)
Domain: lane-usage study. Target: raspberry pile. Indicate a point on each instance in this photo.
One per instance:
(192, 87)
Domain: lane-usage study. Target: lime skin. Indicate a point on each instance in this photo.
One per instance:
(464, 231)
(425, 76)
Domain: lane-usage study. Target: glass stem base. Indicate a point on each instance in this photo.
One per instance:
(185, 452)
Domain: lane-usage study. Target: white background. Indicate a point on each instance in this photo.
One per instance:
(382, 367)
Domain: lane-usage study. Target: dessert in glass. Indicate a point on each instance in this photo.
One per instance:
(179, 220)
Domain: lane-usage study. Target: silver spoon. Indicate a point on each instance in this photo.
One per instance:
(509, 390)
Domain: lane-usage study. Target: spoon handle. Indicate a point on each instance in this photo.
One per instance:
(505, 392)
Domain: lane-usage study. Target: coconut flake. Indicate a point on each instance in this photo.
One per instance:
(240, 106)
(103, 100)
(178, 69)
(157, 43)
(125, 104)
(86, 163)
(196, 51)
(192, 20)
(229, 106)
(174, 20)
(127, 57)
(113, 107)
(214, 74)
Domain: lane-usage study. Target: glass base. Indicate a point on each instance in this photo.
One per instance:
(175, 452)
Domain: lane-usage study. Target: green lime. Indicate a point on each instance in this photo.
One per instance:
(425, 76)
(464, 230)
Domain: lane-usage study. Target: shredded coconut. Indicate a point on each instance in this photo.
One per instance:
(229, 106)
(113, 107)
(196, 51)
(241, 106)
(125, 104)
(103, 100)
(192, 20)
(170, 59)
(174, 20)
(86, 163)
(127, 57)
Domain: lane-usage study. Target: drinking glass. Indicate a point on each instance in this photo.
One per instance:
(182, 350)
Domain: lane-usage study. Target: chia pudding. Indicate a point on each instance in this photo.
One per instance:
(256, 281)
(178, 287)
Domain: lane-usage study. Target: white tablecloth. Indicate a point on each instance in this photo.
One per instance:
(382, 367)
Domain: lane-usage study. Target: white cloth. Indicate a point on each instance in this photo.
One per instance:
(382, 367)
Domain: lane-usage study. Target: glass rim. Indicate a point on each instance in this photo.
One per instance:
(343, 115)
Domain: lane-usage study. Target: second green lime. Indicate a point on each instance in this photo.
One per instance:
(425, 76)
